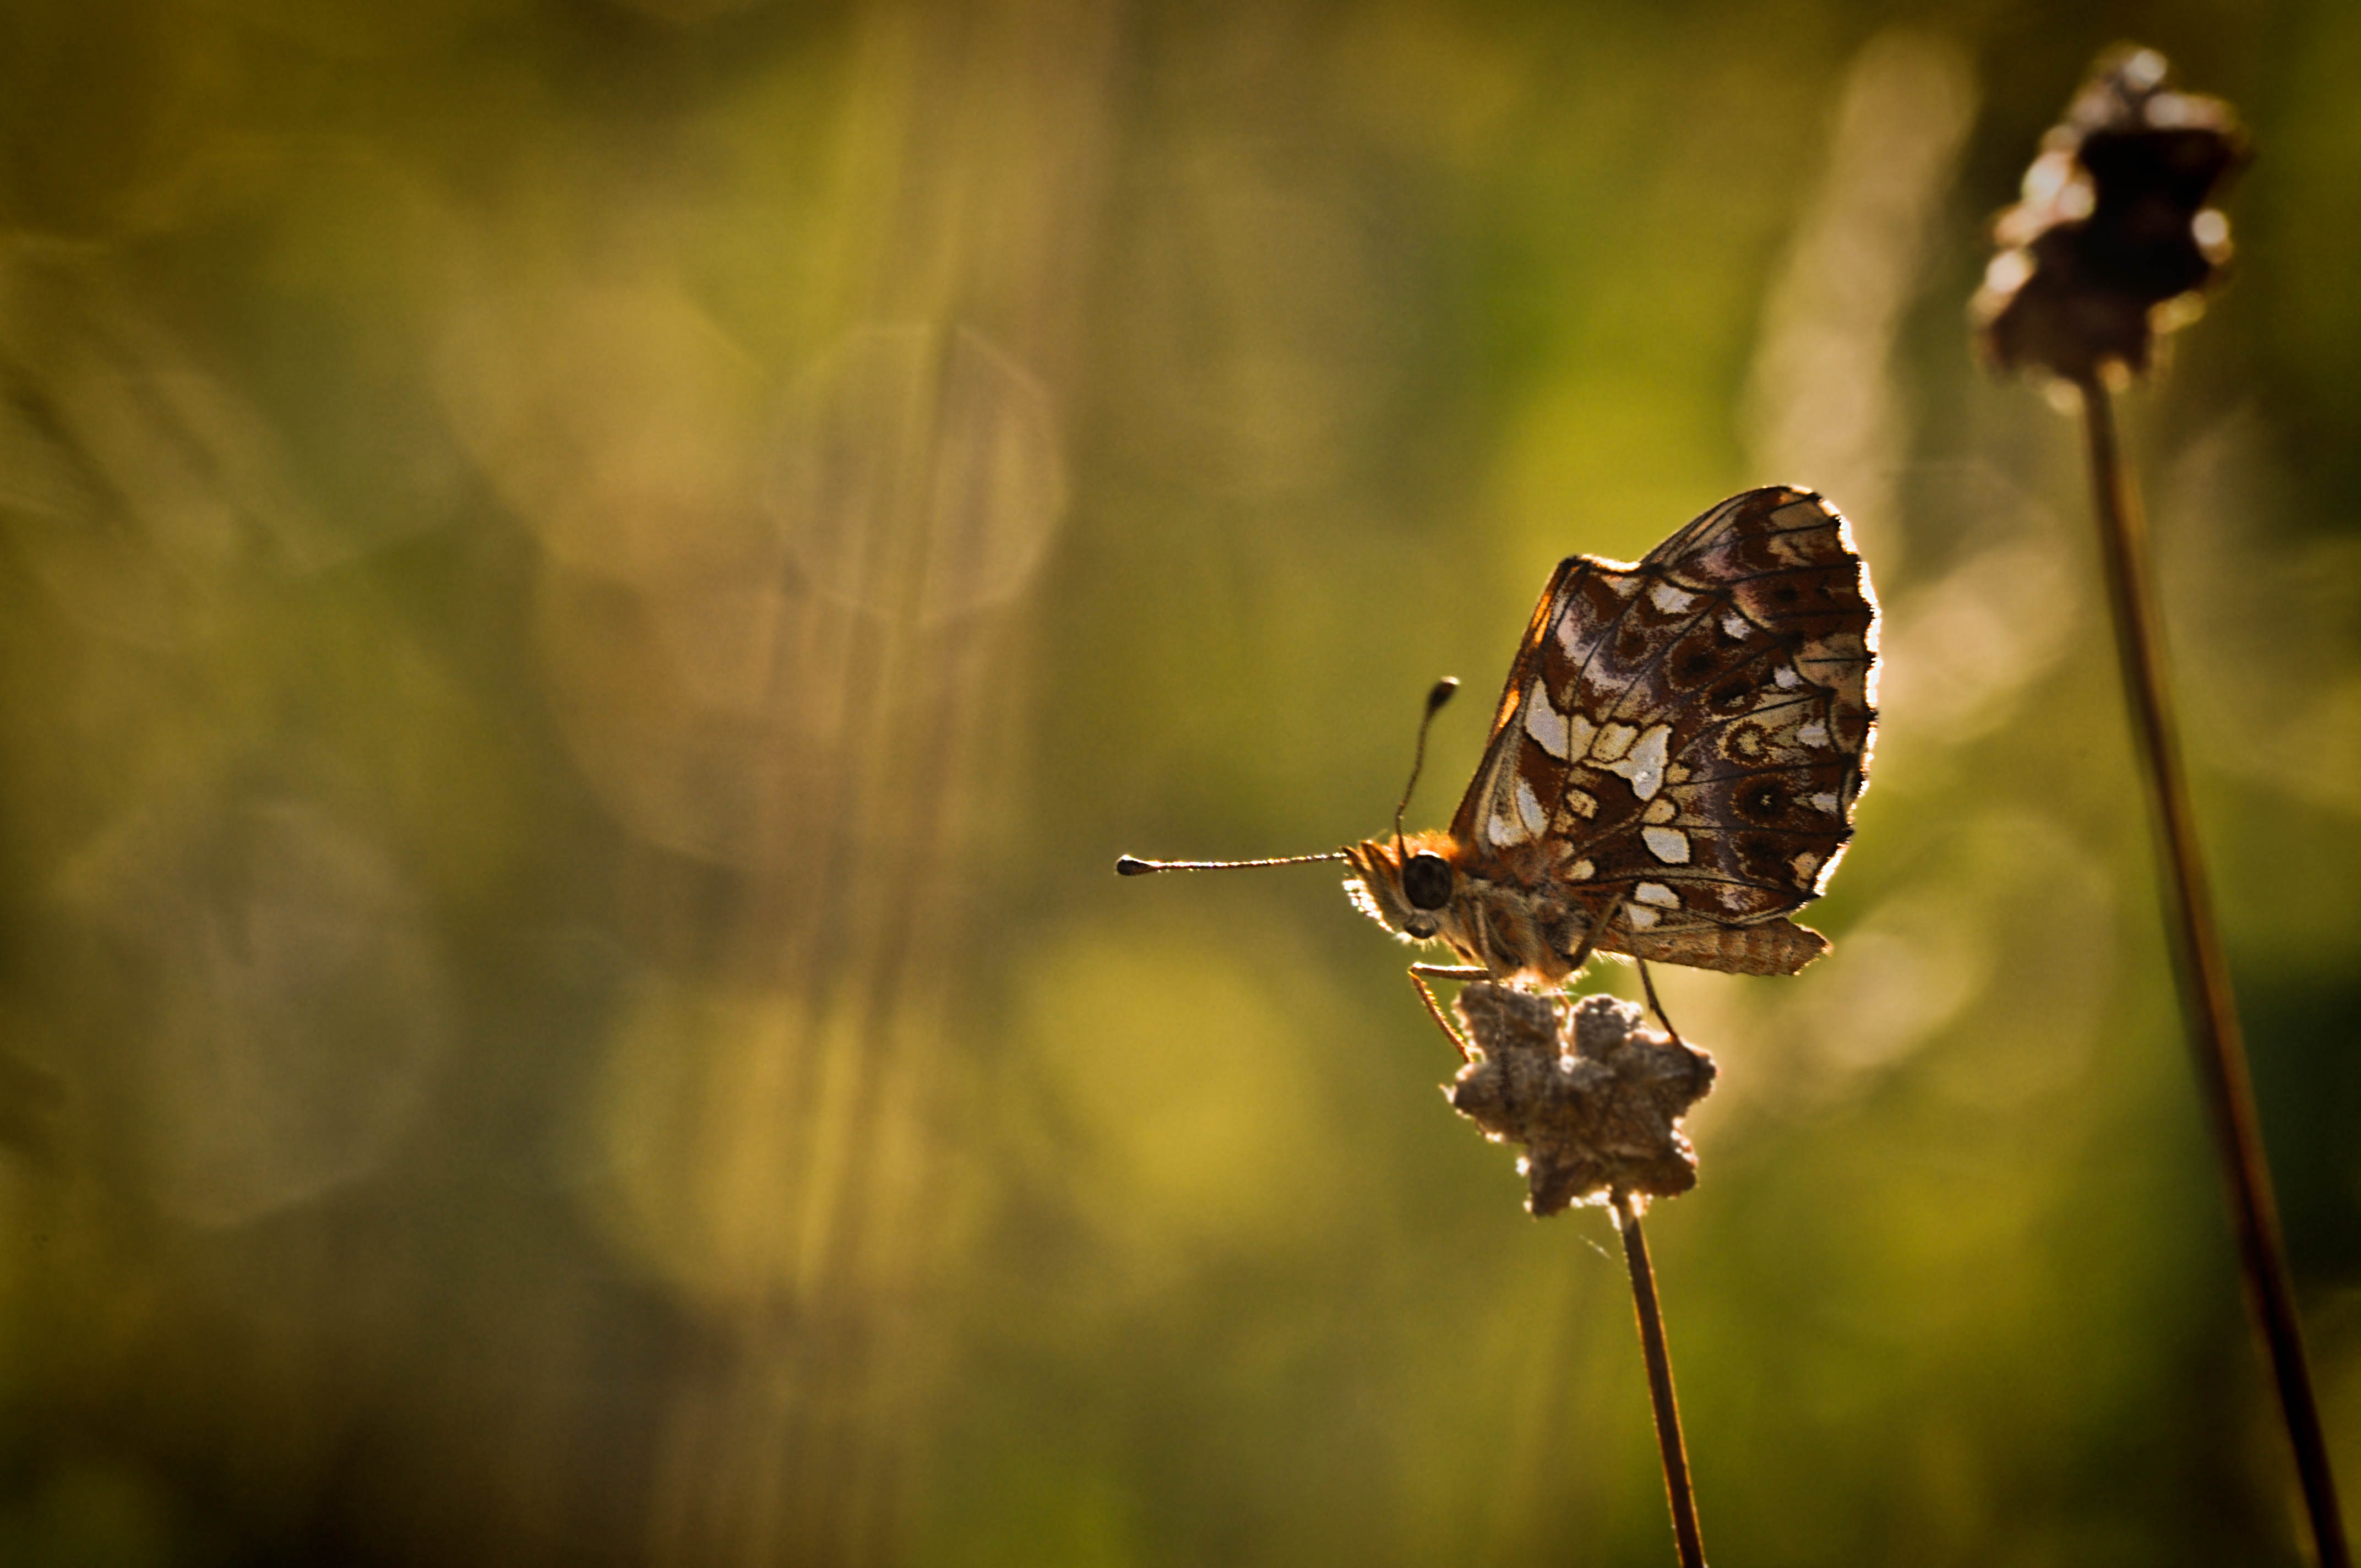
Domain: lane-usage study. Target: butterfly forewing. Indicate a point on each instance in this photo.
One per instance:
(1683, 739)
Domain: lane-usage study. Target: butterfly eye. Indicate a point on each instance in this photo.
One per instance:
(1426, 881)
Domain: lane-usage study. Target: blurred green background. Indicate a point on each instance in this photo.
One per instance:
(590, 588)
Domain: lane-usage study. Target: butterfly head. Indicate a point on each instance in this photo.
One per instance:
(1412, 885)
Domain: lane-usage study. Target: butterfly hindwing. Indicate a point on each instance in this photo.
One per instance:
(1784, 557)
(1686, 737)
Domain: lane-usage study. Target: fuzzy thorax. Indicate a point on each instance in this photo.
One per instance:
(1512, 933)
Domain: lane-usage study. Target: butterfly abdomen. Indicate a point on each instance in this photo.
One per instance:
(1769, 947)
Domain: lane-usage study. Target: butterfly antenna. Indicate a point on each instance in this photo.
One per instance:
(1132, 865)
(1435, 698)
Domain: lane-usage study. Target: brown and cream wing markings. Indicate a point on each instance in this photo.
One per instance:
(1686, 737)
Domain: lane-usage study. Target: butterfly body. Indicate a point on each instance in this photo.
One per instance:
(1673, 763)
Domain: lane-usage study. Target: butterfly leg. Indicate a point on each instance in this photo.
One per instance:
(1419, 974)
(1648, 984)
(1590, 943)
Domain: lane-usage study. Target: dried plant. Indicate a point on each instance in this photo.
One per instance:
(2113, 244)
(1594, 1096)
(1592, 1093)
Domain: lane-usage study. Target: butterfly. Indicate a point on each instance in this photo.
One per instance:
(1672, 768)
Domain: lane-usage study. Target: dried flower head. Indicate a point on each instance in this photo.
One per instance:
(2112, 243)
(1593, 1094)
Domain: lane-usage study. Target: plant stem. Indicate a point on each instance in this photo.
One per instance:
(2203, 976)
(1685, 1538)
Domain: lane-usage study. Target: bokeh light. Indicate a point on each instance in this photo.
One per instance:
(592, 587)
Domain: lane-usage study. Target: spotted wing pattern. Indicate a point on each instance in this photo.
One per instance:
(1683, 740)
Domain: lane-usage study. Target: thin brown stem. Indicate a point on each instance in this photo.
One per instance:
(1677, 1492)
(2203, 975)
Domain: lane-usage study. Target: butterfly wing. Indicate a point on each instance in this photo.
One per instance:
(1686, 737)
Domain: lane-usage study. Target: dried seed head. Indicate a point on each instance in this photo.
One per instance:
(1593, 1094)
(2113, 242)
